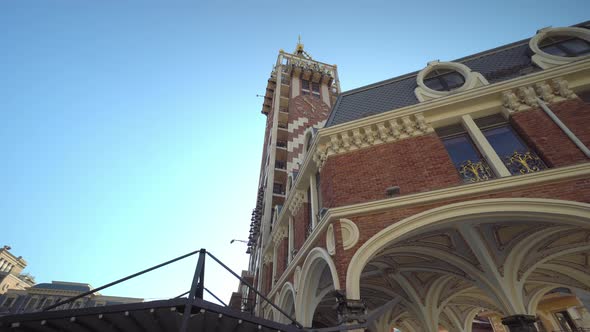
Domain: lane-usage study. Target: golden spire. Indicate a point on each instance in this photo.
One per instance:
(299, 48)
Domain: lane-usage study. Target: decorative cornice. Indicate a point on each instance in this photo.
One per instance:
(373, 134)
(525, 97)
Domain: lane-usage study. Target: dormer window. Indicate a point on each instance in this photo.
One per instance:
(444, 80)
(559, 46)
(440, 79)
(566, 46)
(310, 89)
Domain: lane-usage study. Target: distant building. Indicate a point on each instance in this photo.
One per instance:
(19, 294)
(10, 272)
(16, 301)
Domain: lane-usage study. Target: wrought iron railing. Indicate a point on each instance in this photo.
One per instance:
(475, 171)
(523, 163)
(280, 164)
(282, 144)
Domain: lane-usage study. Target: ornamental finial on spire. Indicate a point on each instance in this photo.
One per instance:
(299, 49)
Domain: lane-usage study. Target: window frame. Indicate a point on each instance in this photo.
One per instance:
(310, 91)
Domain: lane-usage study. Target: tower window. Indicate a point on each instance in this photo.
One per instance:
(566, 46)
(444, 80)
(310, 89)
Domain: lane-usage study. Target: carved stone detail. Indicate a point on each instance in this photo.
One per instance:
(525, 98)
(280, 233)
(350, 233)
(331, 240)
(379, 133)
(296, 202)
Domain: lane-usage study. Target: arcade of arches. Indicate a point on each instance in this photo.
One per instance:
(497, 264)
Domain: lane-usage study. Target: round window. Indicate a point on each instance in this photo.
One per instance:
(444, 79)
(566, 46)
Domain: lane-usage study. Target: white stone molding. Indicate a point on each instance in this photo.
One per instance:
(546, 60)
(472, 80)
(374, 134)
(573, 214)
(311, 272)
(330, 240)
(350, 233)
(296, 278)
(525, 97)
(286, 301)
(297, 201)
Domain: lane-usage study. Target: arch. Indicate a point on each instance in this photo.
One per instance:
(567, 212)
(286, 301)
(313, 267)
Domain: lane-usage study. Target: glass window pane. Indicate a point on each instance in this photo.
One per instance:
(554, 50)
(577, 46)
(461, 149)
(315, 87)
(504, 141)
(434, 84)
(454, 80)
(305, 85)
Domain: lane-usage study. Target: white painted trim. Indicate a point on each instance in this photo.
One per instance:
(568, 212)
(546, 60)
(548, 176)
(485, 147)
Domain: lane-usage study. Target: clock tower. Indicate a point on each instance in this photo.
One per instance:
(299, 95)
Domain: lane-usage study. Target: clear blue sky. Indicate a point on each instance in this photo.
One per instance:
(130, 132)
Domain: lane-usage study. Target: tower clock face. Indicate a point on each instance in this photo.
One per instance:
(311, 107)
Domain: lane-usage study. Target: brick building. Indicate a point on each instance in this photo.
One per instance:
(456, 194)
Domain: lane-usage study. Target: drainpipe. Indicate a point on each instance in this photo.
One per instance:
(563, 127)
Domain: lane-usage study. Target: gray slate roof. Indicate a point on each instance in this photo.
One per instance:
(496, 65)
(66, 287)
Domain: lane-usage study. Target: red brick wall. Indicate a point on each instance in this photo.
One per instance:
(414, 164)
(282, 249)
(299, 108)
(267, 280)
(548, 140)
(300, 222)
(369, 225)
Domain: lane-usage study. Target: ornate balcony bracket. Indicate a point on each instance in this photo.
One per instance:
(524, 98)
(296, 202)
(373, 134)
(280, 234)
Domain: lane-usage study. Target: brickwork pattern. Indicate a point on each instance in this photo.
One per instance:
(415, 165)
(547, 139)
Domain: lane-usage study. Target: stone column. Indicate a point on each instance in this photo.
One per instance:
(350, 312)
(520, 323)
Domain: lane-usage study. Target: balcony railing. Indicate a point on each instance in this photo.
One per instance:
(278, 189)
(523, 163)
(282, 125)
(280, 164)
(282, 144)
(475, 171)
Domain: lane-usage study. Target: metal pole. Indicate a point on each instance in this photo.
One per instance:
(218, 299)
(564, 128)
(196, 290)
(256, 291)
(119, 281)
